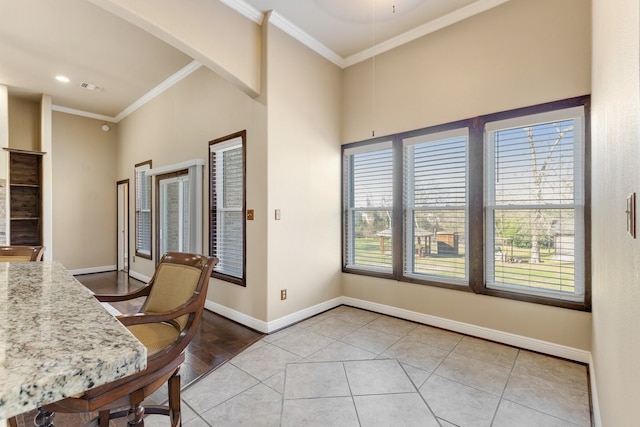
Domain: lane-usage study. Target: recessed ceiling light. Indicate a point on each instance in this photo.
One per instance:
(63, 79)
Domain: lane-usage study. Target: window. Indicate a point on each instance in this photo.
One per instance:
(369, 213)
(227, 207)
(435, 206)
(179, 206)
(173, 221)
(494, 205)
(535, 204)
(143, 210)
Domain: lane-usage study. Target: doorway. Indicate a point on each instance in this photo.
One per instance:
(123, 226)
(173, 212)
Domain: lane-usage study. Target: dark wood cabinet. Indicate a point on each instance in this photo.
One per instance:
(25, 197)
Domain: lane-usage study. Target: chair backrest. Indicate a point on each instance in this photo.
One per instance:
(21, 253)
(179, 278)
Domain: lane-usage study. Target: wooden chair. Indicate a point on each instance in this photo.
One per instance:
(21, 253)
(165, 324)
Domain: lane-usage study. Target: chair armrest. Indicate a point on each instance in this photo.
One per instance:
(140, 318)
(142, 292)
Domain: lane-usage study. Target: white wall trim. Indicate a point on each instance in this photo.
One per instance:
(82, 113)
(303, 37)
(139, 276)
(519, 341)
(595, 406)
(245, 9)
(89, 270)
(166, 84)
(175, 167)
(236, 316)
(421, 31)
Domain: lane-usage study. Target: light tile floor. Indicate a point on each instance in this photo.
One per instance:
(350, 367)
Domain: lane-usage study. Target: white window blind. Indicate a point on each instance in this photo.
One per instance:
(435, 206)
(368, 200)
(535, 204)
(227, 202)
(143, 210)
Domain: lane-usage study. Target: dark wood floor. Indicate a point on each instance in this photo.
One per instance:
(218, 340)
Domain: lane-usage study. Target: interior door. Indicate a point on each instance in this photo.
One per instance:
(173, 233)
(123, 225)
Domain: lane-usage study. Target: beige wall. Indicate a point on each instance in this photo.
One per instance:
(616, 156)
(303, 100)
(518, 54)
(84, 192)
(177, 126)
(24, 124)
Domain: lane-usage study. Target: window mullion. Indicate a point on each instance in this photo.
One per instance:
(398, 237)
(475, 206)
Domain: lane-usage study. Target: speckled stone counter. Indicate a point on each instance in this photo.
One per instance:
(56, 339)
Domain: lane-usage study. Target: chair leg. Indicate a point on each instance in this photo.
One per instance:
(136, 411)
(11, 422)
(174, 400)
(103, 418)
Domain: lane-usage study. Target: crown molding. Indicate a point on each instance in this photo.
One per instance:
(421, 31)
(166, 84)
(303, 37)
(245, 9)
(294, 31)
(82, 113)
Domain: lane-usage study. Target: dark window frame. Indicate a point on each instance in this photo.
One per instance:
(242, 281)
(137, 210)
(476, 209)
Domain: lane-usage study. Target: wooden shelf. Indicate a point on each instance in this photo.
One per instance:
(25, 201)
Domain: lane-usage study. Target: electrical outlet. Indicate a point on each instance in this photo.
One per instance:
(283, 294)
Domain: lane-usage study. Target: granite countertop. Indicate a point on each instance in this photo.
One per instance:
(56, 339)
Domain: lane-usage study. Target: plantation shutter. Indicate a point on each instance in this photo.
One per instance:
(535, 204)
(368, 200)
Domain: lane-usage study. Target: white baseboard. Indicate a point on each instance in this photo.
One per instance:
(90, 270)
(268, 327)
(139, 276)
(236, 316)
(595, 406)
(520, 341)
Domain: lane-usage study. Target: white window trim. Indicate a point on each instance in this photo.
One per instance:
(195, 168)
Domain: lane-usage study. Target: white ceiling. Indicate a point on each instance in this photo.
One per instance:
(40, 39)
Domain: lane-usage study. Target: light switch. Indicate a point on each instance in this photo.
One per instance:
(249, 214)
(277, 215)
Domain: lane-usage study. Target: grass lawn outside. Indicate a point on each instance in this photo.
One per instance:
(514, 270)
